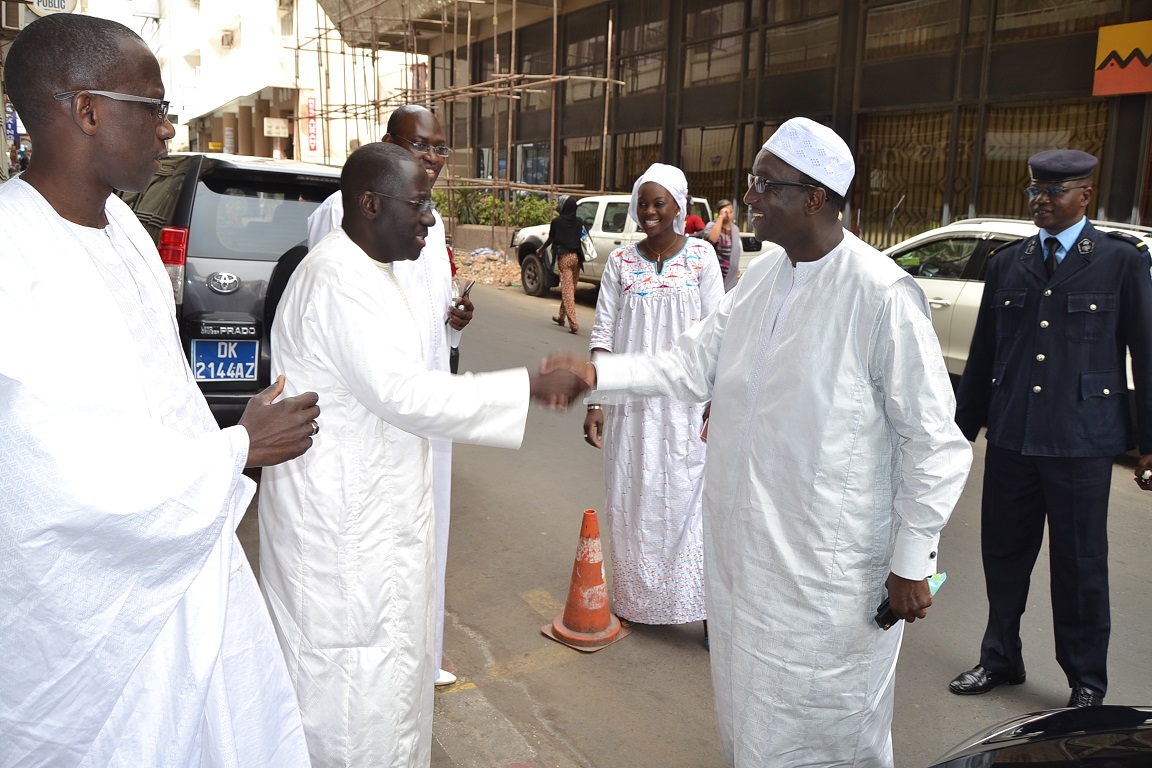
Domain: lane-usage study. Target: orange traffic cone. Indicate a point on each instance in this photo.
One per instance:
(586, 623)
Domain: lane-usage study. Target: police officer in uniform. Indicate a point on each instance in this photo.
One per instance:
(1046, 375)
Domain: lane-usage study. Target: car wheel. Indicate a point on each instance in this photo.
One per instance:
(534, 276)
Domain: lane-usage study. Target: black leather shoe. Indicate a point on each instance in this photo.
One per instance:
(1084, 697)
(979, 680)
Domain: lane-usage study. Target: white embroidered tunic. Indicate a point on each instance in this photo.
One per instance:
(653, 454)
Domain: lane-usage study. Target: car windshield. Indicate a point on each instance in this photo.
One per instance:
(252, 217)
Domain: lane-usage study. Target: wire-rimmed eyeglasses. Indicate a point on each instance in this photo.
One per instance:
(760, 184)
(1053, 191)
(159, 106)
(423, 147)
(422, 206)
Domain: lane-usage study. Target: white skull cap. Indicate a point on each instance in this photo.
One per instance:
(815, 150)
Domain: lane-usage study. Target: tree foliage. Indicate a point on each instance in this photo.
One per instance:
(474, 206)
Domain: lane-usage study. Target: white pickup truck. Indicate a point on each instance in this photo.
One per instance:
(606, 219)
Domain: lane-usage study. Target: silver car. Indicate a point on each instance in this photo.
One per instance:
(949, 263)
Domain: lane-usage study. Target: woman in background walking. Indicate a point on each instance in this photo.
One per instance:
(564, 236)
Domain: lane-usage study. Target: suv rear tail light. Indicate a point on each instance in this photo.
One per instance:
(173, 247)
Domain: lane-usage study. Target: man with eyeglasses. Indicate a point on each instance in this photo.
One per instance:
(833, 465)
(347, 537)
(429, 286)
(1046, 375)
(132, 629)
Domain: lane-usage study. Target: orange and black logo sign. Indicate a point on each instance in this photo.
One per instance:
(1124, 59)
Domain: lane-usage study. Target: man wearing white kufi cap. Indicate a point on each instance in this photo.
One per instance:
(833, 464)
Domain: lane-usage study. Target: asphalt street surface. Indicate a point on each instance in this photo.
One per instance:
(524, 701)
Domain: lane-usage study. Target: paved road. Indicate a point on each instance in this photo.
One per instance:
(525, 701)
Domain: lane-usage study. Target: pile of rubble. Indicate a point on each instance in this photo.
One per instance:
(487, 266)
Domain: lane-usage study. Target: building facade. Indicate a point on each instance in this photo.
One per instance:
(229, 67)
(942, 101)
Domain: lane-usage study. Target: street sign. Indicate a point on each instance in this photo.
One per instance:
(313, 141)
(276, 127)
(10, 128)
(48, 7)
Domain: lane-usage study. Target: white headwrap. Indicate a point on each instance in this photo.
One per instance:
(672, 179)
(815, 150)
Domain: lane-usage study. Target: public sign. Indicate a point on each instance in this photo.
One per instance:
(48, 7)
(1123, 59)
(313, 140)
(10, 128)
(276, 127)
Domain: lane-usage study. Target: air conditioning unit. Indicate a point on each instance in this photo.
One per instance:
(227, 39)
(13, 17)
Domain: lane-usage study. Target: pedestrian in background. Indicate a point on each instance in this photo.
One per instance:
(132, 631)
(692, 222)
(564, 236)
(725, 238)
(651, 292)
(442, 315)
(833, 465)
(1046, 374)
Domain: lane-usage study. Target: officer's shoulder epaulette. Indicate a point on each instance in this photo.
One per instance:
(1006, 246)
(1132, 240)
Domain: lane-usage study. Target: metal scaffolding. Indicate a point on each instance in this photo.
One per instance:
(371, 26)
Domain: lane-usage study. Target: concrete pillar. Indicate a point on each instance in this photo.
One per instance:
(244, 131)
(230, 136)
(262, 145)
(217, 140)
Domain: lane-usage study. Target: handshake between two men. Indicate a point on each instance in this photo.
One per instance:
(561, 379)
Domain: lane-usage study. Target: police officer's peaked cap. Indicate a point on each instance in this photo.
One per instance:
(1061, 165)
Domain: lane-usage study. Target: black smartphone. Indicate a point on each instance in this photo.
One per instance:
(885, 618)
(463, 293)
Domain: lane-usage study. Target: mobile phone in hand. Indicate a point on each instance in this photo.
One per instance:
(456, 300)
(465, 292)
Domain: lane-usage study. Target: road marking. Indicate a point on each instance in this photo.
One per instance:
(475, 734)
(542, 601)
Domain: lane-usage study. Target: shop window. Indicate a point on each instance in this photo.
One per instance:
(1030, 19)
(716, 61)
(532, 163)
(580, 89)
(801, 46)
(719, 18)
(535, 58)
(642, 73)
(791, 10)
(708, 159)
(900, 188)
(911, 28)
(1146, 204)
(582, 157)
(643, 26)
(634, 153)
(587, 36)
(1014, 133)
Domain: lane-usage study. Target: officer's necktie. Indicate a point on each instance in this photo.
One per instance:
(1050, 262)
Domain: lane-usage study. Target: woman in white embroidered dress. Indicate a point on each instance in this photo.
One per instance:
(650, 293)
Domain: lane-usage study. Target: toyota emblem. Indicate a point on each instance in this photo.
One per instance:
(223, 282)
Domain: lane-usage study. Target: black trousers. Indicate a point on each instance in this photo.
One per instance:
(1020, 493)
